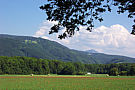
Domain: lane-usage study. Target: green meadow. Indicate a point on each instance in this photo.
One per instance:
(66, 82)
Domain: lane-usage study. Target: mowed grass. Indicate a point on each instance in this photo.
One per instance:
(66, 82)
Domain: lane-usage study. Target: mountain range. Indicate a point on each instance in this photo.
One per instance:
(11, 45)
(92, 51)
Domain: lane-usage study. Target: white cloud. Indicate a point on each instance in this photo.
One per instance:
(44, 29)
(112, 40)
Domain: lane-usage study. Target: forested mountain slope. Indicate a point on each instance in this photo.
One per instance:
(40, 48)
(11, 45)
(107, 59)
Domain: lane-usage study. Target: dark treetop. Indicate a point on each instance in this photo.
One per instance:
(73, 13)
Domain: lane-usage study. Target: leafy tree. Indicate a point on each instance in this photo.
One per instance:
(79, 67)
(100, 70)
(45, 67)
(1, 72)
(80, 73)
(69, 69)
(0, 69)
(91, 68)
(114, 71)
(132, 70)
(72, 13)
(52, 66)
(123, 73)
(60, 66)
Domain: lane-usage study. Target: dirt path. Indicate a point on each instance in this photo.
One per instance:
(113, 78)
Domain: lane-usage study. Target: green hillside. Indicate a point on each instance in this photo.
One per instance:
(107, 59)
(41, 48)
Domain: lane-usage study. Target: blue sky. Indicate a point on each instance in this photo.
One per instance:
(20, 17)
(23, 17)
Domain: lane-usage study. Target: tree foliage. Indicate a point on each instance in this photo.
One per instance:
(114, 71)
(69, 69)
(29, 65)
(73, 13)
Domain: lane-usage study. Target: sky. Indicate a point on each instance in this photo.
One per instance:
(112, 36)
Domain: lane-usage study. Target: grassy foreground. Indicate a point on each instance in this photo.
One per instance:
(66, 82)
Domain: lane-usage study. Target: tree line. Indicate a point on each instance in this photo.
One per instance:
(29, 65)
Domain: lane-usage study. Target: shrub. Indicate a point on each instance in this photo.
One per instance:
(80, 73)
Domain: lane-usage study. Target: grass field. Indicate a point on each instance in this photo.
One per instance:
(66, 82)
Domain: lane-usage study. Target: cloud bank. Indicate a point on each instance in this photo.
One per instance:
(111, 40)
